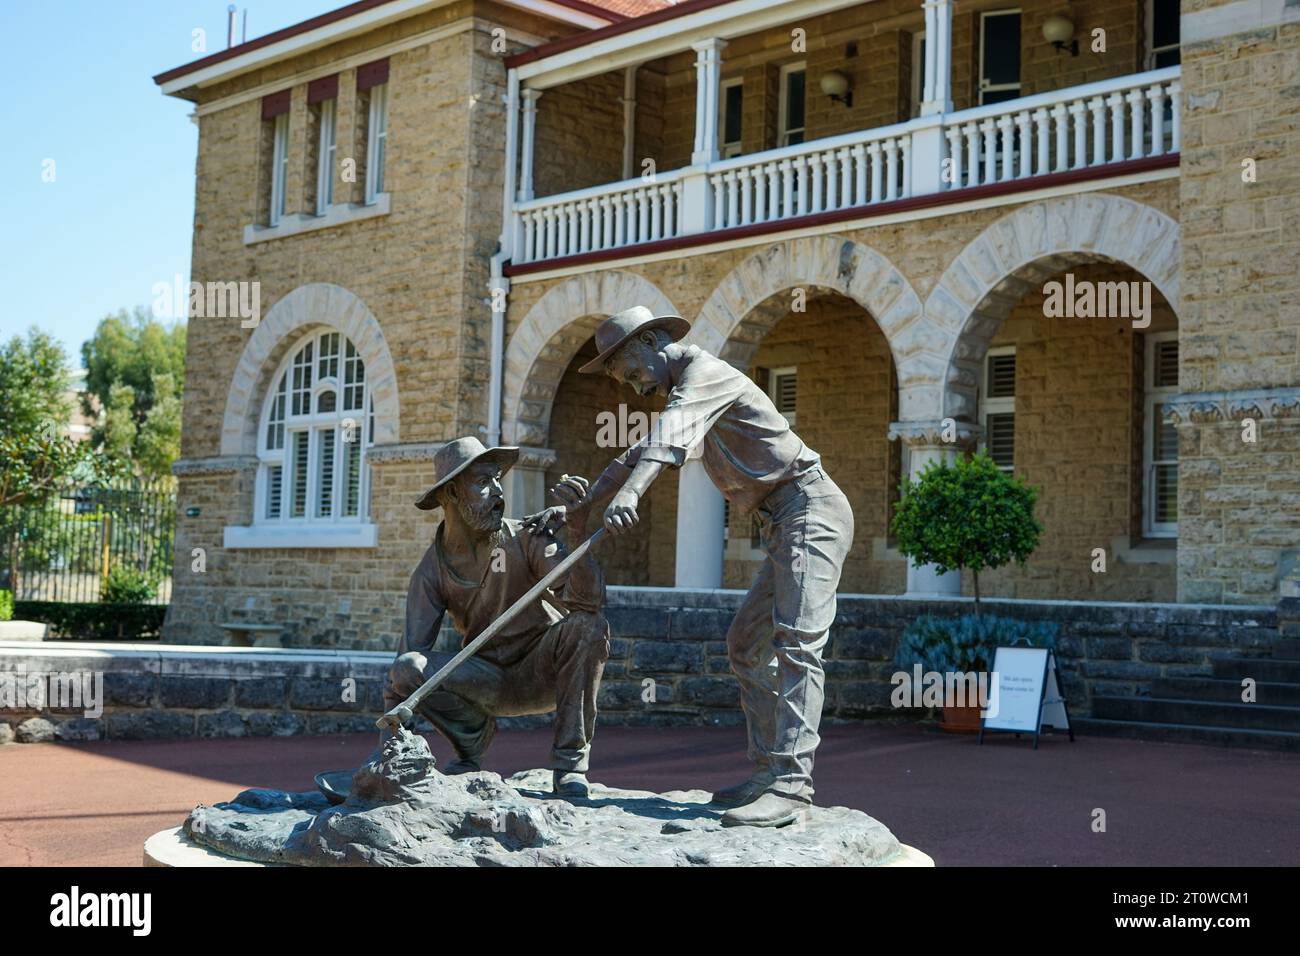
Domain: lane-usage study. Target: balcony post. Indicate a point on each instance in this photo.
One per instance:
(937, 89)
(530, 98)
(708, 79)
(699, 528)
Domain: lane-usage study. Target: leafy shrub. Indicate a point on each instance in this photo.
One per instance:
(963, 644)
(967, 514)
(126, 585)
(6, 605)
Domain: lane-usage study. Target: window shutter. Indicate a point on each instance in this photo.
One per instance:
(1166, 493)
(1164, 373)
(275, 104)
(1000, 436)
(785, 388)
(1001, 381)
(372, 74)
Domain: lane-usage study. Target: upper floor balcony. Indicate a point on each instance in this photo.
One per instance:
(715, 121)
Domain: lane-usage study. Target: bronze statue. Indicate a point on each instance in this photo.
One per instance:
(760, 465)
(550, 656)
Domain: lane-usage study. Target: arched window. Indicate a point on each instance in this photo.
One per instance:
(316, 425)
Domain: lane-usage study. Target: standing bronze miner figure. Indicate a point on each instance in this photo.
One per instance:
(548, 657)
(760, 465)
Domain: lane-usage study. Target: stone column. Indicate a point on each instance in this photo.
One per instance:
(937, 90)
(529, 98)
(929, 441)
(525, 483)
(708, 79)
(699, 528)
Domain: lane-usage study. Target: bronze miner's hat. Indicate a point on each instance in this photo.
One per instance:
(617, 329)
(455, 456)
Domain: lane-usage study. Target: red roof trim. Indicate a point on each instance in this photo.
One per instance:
(333, 16)
(614, 29)
(948, 197)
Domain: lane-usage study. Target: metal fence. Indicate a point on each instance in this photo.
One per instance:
(86, 543)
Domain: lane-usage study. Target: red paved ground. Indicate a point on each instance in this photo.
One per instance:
(1000, 804)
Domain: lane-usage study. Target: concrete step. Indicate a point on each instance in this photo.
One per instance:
(1260, 668)
(1287, 649)
(1189, 734)
(1227, 691)
(1198, 713)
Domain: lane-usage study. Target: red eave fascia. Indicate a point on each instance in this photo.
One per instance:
(927, 201)
(333, 16)
(614, 29)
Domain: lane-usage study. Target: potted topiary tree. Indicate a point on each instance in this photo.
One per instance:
(966, 514)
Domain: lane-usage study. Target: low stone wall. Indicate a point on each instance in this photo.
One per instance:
(667, 665)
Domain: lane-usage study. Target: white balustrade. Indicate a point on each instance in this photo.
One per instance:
(1118, 120)
(1111, 121)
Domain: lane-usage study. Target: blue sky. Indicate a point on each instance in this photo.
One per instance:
(118, 216)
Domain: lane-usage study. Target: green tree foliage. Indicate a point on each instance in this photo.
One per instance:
(967, 514)
(135, 369)
(34, 454)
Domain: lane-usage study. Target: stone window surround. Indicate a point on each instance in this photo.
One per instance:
(294, 224)
(307, 307)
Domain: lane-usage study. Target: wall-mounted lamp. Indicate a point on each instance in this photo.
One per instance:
(1058, 31)
(836, 85)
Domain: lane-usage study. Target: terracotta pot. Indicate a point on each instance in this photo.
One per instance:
(961, 720)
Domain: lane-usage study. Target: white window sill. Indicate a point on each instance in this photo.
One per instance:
(296, 223)
(304, 536)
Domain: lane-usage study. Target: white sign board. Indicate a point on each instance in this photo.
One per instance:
(1025, 696)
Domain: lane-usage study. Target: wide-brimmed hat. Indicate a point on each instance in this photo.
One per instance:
(617, 329)
(455, 456)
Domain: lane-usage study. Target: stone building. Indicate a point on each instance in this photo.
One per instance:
(1062, 232)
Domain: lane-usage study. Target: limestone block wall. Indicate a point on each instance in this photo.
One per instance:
(1240, 320)
(667, 666)
(1078, 409)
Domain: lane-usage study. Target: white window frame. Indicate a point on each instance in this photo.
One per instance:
(1152, 396)
(376, 142)
(996, 87)
(279, 167)
(1005, 405)
(728, 150)
(1150, 23)
(313, 423)
(918, 71)
(772, 375)
(327, 146)
(782, 106)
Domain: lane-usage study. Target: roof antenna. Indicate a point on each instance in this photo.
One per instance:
(243, 38)
(230, 26)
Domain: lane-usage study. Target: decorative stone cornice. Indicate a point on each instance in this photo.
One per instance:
(219, 465)
(403, 452)
(936, 433)
(536, 458)
(1207, 408)
(541, 458)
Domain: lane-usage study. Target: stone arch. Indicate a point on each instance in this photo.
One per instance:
(308, 306)
(1023, 249)
(747, 304)
(551, 333)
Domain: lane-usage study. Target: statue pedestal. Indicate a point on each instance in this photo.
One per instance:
(479, 819)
